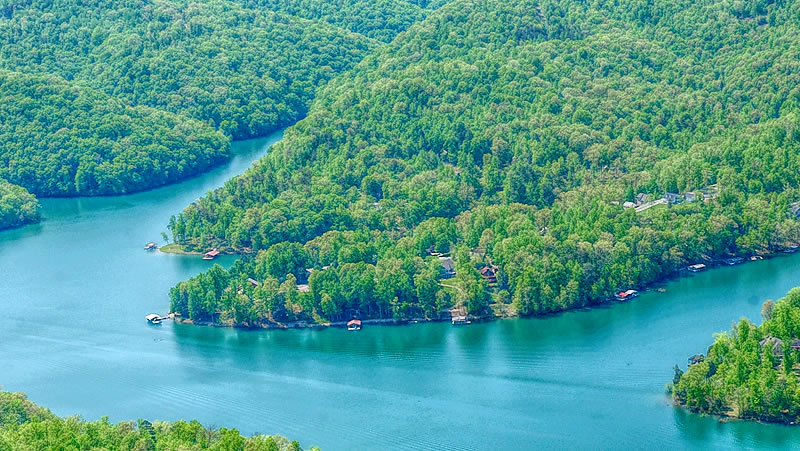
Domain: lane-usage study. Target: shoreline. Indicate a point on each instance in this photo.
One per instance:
(175, 248)
(726, 418)
(333, 324)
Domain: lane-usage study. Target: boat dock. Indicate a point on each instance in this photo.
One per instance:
(151, 246)
(211, 255)
(154, 318)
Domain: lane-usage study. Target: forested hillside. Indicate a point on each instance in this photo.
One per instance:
(377, 19)
(752, 371)
(17, 206)
(60, 139)
(27, 426)
(245, 71)
(510, 133)
(106, 97)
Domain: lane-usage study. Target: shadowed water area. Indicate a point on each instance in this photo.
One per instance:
(74, 291)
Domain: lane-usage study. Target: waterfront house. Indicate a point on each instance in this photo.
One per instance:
(448, 267)
(489, 273)
(629, 205)
(794, 210)
(695, 359)
(775, 343)
(690, 197)
(673, 198)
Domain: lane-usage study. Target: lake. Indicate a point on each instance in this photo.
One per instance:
(75, 290)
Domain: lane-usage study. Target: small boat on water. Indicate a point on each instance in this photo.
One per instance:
(151, 246)
(697, 267)
(756, 258)
(153, 318)
(623, 296)
(460, 321)
(354, 324)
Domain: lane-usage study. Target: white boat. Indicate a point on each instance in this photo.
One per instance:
(153, 318)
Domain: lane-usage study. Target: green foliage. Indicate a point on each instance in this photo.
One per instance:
(106, 97)
(377, 19)
(61, 139)
(245, 71)
(17, 206)
(750, 372)
(518, 129)
(26, 426)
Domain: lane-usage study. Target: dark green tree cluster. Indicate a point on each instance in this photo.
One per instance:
(245, 71)
(526, 125)
(377, 19)
(341, 275)
(61, 139)
(17, 206)
(27, 426)
(752, 371)
(143, 85)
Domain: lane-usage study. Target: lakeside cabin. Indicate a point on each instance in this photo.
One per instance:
(626, 295)
(774, 344)
(211, 255)
(489, 273)
(448, 270)
(151, 246)
(354, 324)
(697, 267)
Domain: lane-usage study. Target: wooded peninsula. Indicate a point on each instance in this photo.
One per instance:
(504, 155)
(750, 372)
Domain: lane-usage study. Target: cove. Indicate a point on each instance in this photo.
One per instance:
(74, 291)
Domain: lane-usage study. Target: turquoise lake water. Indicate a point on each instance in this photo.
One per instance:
(74, 291)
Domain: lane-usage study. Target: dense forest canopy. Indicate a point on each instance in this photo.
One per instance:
(58, 139)
(378, 19)
(752, 371)
(245, 71)
(17, 206)
(27, 426)
(509, 134)
(105, 97)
